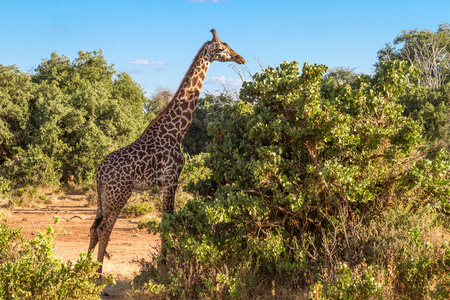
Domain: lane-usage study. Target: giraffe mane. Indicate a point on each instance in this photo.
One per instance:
(175, 96)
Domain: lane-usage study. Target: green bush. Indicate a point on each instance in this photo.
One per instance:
(430, 107)
(296, 173)
(31, 168)
(138, 209)
(29, 269)
(194, 170)
(422, 267)
(5, 187)
(360, 284)
(13, 202)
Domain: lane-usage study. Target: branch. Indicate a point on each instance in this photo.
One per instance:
(5, 152)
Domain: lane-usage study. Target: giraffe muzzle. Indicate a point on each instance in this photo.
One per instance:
(239, 59)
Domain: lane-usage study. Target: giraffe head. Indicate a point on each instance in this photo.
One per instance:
(220, 51)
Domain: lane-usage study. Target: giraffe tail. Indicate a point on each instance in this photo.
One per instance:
(100, 200)
(98, 219)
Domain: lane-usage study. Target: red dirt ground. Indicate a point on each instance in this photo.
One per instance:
(127, 243)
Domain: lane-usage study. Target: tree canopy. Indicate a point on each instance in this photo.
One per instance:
(427, 50)
(69, 114)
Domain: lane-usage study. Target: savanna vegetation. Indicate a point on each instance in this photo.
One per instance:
(30, 270)
(312, 184)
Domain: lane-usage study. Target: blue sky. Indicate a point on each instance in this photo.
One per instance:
(155, 40)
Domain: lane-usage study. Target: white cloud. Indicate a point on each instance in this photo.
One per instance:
(145, 62)
(228, 82)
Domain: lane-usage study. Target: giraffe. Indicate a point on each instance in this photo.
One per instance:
(155, 158)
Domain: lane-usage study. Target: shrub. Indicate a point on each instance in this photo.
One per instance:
(31, 168)
(13, 202)
(296, 173)
(430, 107)
(423, 270)
(5, 187)
(359, 284)
(29, 269)
(138, 209)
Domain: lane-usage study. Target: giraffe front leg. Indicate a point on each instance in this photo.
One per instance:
(171, 174)
(169, 190)
(168, 200)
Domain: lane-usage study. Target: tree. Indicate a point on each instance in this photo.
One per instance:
(430, 107)
(159, 99)
(428, 51)
(342, 74)
(67, 116)
(16, 90)
(427, 101)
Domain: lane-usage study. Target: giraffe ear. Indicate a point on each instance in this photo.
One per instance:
(215, 37)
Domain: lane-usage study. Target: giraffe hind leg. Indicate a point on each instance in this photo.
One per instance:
(104, 232)
(98, 219)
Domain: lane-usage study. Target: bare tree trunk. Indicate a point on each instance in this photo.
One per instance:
(431, 59)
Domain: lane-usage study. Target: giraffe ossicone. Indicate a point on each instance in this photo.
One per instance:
(155, 158)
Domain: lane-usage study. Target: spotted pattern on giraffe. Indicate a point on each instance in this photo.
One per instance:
(155, 158)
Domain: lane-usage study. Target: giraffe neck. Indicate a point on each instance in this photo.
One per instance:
(193, 80)
(177, 116)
